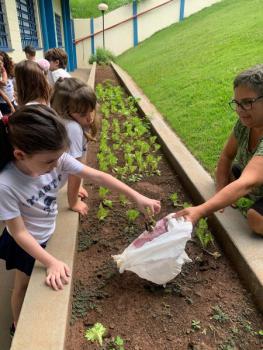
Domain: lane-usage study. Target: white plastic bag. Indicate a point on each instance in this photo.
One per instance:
(158, 256)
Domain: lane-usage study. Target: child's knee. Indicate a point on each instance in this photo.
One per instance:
(255, 221)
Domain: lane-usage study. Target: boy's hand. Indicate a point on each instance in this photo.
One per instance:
(80, 207)
(148, 206)
(58, 273)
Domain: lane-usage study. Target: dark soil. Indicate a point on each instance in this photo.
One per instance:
(145, 315)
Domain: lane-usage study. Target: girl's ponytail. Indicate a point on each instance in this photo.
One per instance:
(6, 149)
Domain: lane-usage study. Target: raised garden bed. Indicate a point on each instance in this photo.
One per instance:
(205, 307)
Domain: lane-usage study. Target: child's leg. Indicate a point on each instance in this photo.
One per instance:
(20, 286)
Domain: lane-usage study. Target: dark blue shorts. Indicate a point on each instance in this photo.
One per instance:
(15, 257)
(258, 205)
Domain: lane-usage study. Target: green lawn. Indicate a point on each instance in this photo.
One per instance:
(187, 71)
(89, 8)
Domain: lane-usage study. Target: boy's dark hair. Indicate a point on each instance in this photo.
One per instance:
(8, 64)
(31, 83)
(32, 129)
(30, 50)
(57, 54)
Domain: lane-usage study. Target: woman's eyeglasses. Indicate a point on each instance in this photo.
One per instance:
(246, 104)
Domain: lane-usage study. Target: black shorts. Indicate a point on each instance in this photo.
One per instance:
(258, 205)
(15, 257)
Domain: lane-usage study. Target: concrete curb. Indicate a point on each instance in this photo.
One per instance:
(44, 316)
(232, 231)
(92, 75)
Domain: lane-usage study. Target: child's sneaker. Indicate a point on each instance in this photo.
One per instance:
(12, 330)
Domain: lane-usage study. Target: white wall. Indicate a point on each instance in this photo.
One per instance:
(120, 38)
(13, 30)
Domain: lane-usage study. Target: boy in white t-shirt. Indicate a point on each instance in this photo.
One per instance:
(58, 60)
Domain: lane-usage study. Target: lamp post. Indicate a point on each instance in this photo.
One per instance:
(103, 7)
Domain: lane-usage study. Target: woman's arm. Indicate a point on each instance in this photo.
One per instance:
(224, 164)
(106, 180)
(251, 177)
(57, 272)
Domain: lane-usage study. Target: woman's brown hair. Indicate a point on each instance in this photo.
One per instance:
(31, 84)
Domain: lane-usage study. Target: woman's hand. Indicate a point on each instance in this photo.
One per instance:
(192, 214)
(58, 273)
(148, 206)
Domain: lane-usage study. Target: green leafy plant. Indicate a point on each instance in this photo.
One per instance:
(118, 343)
(103, 191)
(243, 204)
(174, 198)
(195, 325)
(219, 315)
(260, 332)
(96, 333)
(203, 234)
(149, 221)
(123, 200)
(107, 203)
(102, 213)
(102, 56)
(132, 215)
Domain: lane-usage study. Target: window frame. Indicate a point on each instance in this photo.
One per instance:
(58, 25)
(27, 23)
(4, 34)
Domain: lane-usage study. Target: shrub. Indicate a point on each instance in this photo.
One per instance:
(102, 56)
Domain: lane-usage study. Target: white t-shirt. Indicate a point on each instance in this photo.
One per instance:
(34, 198)
(8, 90)
(55, 74)
(78, 142)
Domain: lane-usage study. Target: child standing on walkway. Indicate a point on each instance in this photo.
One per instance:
(58, 60)
(33, 144)
(75, 101)
(31, 84)
(6, 84)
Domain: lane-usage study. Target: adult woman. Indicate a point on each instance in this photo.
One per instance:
(242, 157)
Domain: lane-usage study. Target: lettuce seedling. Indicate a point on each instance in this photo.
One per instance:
(96, 333)
(132, 215)
(102, 212)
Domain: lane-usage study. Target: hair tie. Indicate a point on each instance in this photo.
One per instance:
(5, 120)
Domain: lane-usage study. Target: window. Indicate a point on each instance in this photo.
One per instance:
(27, 23)
(3, 34)
(58, 29)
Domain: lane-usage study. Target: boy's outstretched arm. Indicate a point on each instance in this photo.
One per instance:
(106, 180)
(58, 273)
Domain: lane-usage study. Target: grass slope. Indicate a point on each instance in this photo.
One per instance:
(89, 8)
(187, 71)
